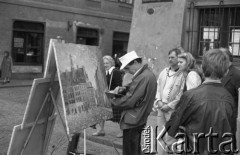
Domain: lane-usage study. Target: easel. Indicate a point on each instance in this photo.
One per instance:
(49, 95)
(33, 135)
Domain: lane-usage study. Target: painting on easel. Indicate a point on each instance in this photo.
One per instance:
(73, 85)
(82, 84)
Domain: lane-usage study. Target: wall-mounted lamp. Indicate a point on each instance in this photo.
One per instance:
(69, 25)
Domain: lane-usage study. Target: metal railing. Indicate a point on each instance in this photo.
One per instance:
(214, 27)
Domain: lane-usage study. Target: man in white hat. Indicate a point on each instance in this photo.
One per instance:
(136, 103)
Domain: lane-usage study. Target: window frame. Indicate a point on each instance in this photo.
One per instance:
(78, 35)
(155, 1)
(193, 28)
(125, 2)
(27, 33)
(116, 39)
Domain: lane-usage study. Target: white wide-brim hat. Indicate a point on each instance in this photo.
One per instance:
(127, 58)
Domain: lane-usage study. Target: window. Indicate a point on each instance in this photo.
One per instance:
(126, 1)
(154, 1)
(120, 43)
(27, 47)
(87, 36)
(218, 26)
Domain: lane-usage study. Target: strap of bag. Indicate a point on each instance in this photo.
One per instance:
(110, 83)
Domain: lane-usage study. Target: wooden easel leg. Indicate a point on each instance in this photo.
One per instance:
(55, 104)
(50, 111)
(35, 123)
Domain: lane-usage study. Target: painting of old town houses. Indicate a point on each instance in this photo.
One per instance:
(82, 83)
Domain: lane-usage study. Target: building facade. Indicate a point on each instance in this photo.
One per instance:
(195, 25)
(212, 24)
(27, 26)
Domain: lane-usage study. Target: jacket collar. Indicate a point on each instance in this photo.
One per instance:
(228, 76)
(177, 71)
(140, 71)
(110, 70)
(211, 81)
(230, 72)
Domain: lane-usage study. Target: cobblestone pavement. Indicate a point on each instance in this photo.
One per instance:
(12, 102)
(98, 149)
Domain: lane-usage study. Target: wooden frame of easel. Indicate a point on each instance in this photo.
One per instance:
(33, 135)
(49, 94)
(39, 117)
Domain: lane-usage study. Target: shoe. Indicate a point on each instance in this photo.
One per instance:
(120, 135)
(8, 81)
(99, 133)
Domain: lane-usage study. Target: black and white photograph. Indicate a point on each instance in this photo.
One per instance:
(119, 77)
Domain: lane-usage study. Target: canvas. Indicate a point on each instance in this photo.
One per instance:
(82, 84)
(72, 89)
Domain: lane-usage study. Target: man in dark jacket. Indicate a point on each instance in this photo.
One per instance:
(136, 103)
(206, 112)
(232, 83)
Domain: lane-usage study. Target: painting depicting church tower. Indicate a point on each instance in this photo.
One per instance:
(82, 83)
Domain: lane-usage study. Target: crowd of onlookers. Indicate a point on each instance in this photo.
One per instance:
(189, 98)
(195, 100)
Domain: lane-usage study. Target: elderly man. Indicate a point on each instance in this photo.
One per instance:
(136, 103)
(205, 113)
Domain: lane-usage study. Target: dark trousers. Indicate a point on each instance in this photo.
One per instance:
(72, 145)
(132, 141)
